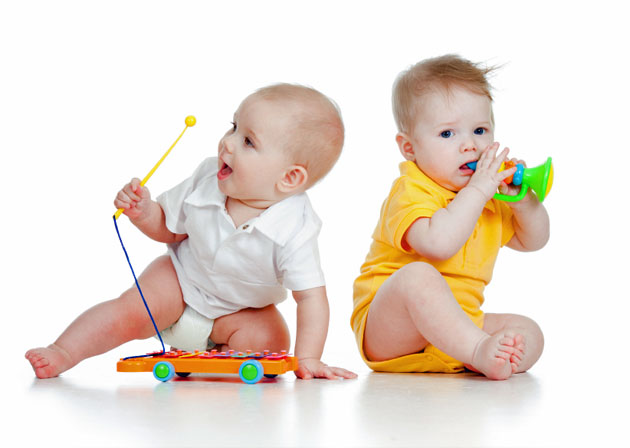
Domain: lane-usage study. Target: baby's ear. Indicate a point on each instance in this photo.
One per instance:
(294, 178)
(405, 146)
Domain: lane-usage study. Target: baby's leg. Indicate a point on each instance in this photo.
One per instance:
(112, 323)
(254, 329)
(414, 307)
(528, 347)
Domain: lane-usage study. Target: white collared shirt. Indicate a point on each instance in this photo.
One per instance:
(223, 269)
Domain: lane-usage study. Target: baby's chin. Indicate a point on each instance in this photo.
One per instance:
(452, 184)
(222, 188)
(459, 184)
(454, 187)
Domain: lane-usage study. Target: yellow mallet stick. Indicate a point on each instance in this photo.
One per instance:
(190, 122)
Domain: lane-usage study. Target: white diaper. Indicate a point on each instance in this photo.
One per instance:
(190, 332)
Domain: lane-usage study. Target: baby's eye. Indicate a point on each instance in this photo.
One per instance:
(233, 126)
(248, 142)
(480, 131)
(446, 134)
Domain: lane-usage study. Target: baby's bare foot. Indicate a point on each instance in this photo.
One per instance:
(493, 354)
(48, 362)
(519, 352)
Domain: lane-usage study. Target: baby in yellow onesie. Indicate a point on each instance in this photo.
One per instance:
(417, 302)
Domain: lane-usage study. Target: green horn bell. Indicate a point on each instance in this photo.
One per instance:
(539, 179)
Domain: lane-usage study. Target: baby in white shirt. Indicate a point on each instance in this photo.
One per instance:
(223, 269)
(239, 232)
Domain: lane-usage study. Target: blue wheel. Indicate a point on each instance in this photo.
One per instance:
(163, 371)
(251, 371)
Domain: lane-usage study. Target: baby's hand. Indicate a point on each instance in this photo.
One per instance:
(133, 199)
(314, 368)
(513, 190)
(487, 178)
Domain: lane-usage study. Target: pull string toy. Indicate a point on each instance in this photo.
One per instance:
(190, 122)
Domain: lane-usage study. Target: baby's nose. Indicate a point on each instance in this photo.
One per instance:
(225, 146)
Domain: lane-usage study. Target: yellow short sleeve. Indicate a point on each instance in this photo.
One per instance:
(407, 202)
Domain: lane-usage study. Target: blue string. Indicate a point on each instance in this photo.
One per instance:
(143, 300)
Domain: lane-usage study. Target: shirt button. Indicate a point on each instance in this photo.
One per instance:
(246, 226)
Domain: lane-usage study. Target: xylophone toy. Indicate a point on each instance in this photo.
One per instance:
(250, 366)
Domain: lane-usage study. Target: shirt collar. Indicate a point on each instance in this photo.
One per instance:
(280, 221)
(409, 168)
(212, 194)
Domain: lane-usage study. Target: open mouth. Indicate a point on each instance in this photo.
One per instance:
(469, 167)
(224, 172)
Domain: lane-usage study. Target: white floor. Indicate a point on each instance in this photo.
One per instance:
(92, 405)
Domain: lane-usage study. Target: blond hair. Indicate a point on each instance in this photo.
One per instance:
(318, 135)
(429, 75)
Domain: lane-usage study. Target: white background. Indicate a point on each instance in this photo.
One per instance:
(92, 94)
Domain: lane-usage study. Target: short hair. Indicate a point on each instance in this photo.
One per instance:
(429, 75)
(319, 132)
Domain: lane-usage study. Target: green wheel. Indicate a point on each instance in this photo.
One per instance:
(163, 371)
(251, 371)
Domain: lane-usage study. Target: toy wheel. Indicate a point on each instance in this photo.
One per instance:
(270, 375)
(251, 371)
(163, 371)
(182, 374)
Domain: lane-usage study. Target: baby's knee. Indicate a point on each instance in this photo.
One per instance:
(132, 320)
(535, 338)
(538, 336)
(275, 340)
(416, 275)
(530, 324)
(261, 329)
(272, 333)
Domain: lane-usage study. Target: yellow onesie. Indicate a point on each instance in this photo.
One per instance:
(414, 195)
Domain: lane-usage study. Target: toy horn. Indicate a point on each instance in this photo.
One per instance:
(539, 179)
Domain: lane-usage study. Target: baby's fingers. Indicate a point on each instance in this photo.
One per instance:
(506, 173)
(303, 373)
(333, 373)
(133, 189)
(125, 205)
(496, 163)
(343, 373)
(126, 198)
(327, 373)
(517, 161)
(492, 147)
(487, 155)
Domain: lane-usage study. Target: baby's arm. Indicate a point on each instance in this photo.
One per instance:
(531, 224)
(530, 220)
(146, 214)
(442, 235)
(312, 327)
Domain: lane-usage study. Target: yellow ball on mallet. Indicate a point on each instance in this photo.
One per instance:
(190, 121)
